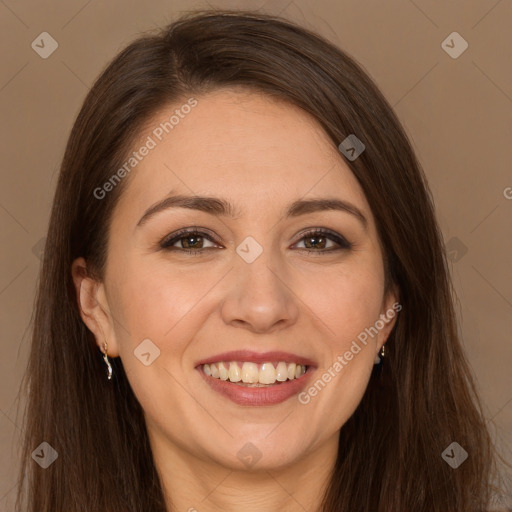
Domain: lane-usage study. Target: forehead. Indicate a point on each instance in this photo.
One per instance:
(256, 151)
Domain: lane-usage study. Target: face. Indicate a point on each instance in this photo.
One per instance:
(269, 272)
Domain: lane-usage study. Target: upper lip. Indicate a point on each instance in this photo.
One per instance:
(256, 357)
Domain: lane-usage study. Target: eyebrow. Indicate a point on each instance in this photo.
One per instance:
(221, 207)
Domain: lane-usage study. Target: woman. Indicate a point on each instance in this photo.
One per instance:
(244, 301)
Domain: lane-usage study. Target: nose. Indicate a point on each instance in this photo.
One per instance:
(260, 297)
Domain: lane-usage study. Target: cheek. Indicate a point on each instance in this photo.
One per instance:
(153, 301)
(347, 363)
(348, 307)
(156, 306)
(349, 303)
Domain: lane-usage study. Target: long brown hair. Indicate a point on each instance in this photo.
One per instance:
(416, 405)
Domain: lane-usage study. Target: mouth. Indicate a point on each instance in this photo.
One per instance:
(251, 374)
(251, 379)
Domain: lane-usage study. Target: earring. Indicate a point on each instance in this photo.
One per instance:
(380, 356)
(107, 362)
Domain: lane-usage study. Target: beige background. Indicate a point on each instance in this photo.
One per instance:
(458, 113)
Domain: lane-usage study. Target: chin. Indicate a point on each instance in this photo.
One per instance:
(261, 451)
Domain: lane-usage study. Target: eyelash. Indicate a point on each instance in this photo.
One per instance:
(167, 242)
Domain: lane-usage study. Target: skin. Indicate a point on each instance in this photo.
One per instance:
(260, 155)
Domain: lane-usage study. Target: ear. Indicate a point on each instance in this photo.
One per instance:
(94, 309)
(389, 312)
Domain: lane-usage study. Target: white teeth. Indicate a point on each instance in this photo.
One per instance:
(223, 372)
(252, 373)
(281, 372)
(234, 373)
(267, 374)
(214, 370)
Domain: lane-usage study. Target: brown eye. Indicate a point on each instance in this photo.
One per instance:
(318, 241)
(188, 240)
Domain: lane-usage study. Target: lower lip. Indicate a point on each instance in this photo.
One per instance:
(269, 395)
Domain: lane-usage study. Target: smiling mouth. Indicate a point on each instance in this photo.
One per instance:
(251, 374)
